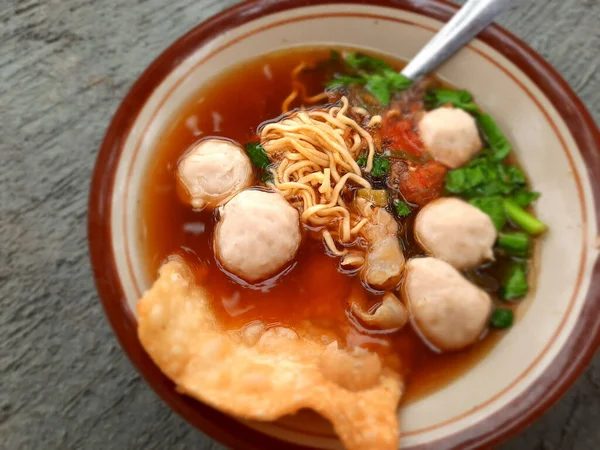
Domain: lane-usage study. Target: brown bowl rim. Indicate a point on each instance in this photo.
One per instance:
(512, 418)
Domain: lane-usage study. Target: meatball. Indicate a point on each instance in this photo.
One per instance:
(450, 135)
(212, 172)
(449, 311)
(455, 231)
(258, 233)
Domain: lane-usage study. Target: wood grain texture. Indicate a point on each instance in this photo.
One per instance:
(65, 65)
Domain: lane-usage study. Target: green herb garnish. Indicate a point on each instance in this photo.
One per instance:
(362, 161)
(484, 177)
(502, 318)
(523, 219)
(380, 167)
(343, 80)
(515, 243)
(378, 77)
(515, 284)
(402, 208)
(498, 143)
(257, 155)
(493, 207)
(524, 198)
(360, 61)
(379, 86)
(259, 158)
(434, 98)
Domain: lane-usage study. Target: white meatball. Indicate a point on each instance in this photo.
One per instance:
(258, 233)
(448, 310)
(455, 231)
(450, 135)
(212, 172)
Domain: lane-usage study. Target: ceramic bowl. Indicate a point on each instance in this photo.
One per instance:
(556, 139)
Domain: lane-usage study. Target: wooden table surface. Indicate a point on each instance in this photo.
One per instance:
(65, 65)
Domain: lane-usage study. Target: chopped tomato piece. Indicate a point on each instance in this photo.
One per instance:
(418, 183)
(398, 134)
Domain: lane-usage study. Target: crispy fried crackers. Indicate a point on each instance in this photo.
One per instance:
(262, 373)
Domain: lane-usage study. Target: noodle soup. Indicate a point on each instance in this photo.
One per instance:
(358, 178)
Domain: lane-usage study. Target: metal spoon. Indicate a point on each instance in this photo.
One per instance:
(472, 18)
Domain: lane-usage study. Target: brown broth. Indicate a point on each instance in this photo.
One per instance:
(233, 106)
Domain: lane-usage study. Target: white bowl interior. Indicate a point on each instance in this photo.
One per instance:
(541, 139)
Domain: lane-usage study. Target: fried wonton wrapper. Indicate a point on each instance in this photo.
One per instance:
(263, 374)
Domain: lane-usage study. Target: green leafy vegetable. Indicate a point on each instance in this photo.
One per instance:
(396, 80)
(493, 207)
(515, 284)
(343, 80)
(366, 62)
(378, 86)
(502, 318)
(402, 208)
(524, 197)
(335, 55)
(498, 143)
(515, 243)
(494, 187)
(435, 98)
(523, 219)
(259, 158)
(257, 155)
(378, 77)
(484, 177)
(380, 167)
(362, 161)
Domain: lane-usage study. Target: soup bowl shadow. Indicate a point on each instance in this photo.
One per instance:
(556, 140)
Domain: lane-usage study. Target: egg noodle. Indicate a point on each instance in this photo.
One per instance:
(299, 91)
(315, 152)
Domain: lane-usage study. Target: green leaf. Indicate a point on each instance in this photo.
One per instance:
(378, 86)
(484, 177)
(513, 175)
(493, 207)
(343, 80)
(456, 181)
(502, 318)
(402, 208)
(396, 81)
(435, 98)
(499, 145)
(515, 243)
(257, 155)
(524, 198)
(524, 220)
(362, 161)
(335, 56)
(366, 62)
(515, 284)
(380, 167)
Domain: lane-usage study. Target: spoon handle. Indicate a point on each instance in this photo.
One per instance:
(472, 18)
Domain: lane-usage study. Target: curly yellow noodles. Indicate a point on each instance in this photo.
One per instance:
(315, 153)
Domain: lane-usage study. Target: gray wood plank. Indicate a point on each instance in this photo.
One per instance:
(65, 65)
